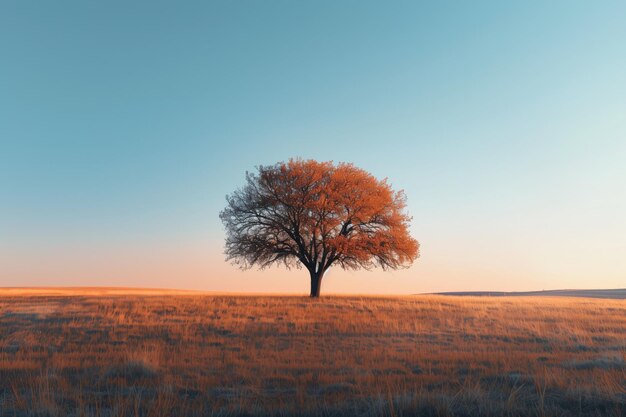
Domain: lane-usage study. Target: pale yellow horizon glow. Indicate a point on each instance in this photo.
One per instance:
(201, 266)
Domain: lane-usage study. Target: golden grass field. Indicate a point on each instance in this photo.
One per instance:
(123, 353)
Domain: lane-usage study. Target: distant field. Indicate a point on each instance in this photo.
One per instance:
(98, 353)
(618, 294)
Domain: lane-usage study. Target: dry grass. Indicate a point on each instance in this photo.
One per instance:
(202, 355)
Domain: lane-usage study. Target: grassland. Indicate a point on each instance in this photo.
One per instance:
(617, 294)
(100, 354)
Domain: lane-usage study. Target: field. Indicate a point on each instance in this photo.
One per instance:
(619, 294)
(97, 353)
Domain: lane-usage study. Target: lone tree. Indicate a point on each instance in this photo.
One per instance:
(317, 214)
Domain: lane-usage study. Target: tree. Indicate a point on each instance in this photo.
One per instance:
(317, 214)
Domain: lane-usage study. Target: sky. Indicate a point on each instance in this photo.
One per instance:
(123, 126)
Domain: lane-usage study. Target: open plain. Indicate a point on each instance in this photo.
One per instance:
(127, 353)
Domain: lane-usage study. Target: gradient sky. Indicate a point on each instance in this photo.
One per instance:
(123, 125)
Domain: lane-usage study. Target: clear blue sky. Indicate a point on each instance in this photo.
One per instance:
(124, 124)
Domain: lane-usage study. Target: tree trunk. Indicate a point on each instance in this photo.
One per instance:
(316, 284)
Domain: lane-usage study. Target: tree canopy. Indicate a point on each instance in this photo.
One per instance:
(317, 214)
